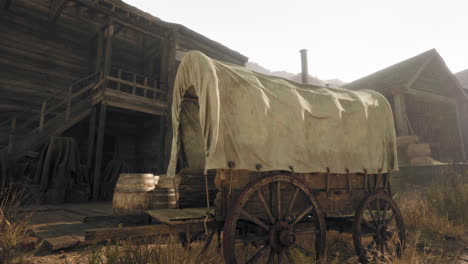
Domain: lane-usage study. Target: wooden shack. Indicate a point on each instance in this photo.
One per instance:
(427, 102)
(98, 71)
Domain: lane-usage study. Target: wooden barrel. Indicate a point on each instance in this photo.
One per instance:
(162, 198)
(164, 195)
(131, 193)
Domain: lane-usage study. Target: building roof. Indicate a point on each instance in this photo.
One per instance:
(396, 76)
(403, 75)
(182, 29)
(463, 78)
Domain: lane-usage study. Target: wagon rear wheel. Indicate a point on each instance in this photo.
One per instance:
(378, 229)
(275, 220)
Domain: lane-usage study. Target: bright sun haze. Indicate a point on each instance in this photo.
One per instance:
(346, 39)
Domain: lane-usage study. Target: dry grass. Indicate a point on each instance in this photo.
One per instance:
(162, 250)
(13, 228)
(442, 207)
(435, 218)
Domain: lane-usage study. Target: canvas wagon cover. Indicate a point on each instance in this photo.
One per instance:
(252, 119)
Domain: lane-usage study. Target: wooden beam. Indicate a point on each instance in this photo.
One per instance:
(154, 29)
(56, 8)
(399, 112)
(431, 96)
(99, 149)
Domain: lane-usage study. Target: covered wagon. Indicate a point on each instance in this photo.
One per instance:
(281, 162)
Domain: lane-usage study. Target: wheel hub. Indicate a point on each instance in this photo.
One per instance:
(287, 238)
(282, 236)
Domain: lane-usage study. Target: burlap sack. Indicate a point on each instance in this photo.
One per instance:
(418, 150)
(404, 141)
(424, 161)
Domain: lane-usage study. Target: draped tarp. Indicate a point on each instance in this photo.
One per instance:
(226, 113)
(60, 174)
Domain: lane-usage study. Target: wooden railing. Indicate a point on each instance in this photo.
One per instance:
(31, 122)
(134, 84)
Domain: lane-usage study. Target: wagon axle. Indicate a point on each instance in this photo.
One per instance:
(282, 236)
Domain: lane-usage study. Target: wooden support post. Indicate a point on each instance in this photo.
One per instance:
(155, 93)
(91, 137)
(460, 124)
(42, 116)
(99, 48)
(109, 34)
(171, 73)
(99, 150)
(399, 112)
(11, 139)
(162, 140)
(68, 111)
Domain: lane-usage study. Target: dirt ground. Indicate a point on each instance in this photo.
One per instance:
(427, 246)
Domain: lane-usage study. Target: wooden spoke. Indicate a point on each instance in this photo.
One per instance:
(265, 205)
(371, 226)
(372, 243)
(257, 255)
(271, 256)
(371, 212)
(278, 200)
(378, 211)
(304, 251)
(381, 235)
(390, 219)
(302, 215)
(240, 235)
(280, 256)
(382, 242)
(288, 256)
(255, 220)
(384, 213)
(291, 202)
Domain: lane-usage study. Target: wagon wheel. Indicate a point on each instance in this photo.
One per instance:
(274, 220)
(378, 229)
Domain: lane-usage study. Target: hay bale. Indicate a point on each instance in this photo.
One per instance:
(424, 161)
(418, 150)
(404, 141)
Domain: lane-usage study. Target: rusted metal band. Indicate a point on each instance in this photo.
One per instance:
(328, 180)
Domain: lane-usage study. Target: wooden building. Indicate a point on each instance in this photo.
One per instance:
(427, 102)
(100, 71)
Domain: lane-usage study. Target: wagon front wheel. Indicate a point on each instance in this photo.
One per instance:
(378, 229)
(274, 220)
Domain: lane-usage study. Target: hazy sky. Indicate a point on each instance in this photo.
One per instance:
(346, 39)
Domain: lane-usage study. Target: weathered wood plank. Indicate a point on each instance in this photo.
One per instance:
(141, 231)
(178, 216)
(56, 8)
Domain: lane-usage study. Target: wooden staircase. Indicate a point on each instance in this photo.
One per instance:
(29, 129)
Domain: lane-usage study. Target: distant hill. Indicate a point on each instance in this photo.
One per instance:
(292, 76)
(463, 78)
